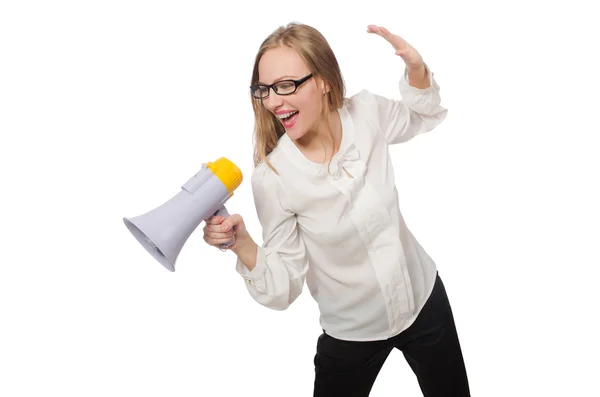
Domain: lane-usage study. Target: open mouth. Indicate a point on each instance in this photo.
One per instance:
(289, 119)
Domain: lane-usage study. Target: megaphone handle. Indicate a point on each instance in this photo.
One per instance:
(223, 212)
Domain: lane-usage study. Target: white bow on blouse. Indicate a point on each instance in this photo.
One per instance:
(349, 160)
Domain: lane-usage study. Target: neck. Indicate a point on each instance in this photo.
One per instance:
(318, 140)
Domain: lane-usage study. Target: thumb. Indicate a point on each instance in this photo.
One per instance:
(230, 222)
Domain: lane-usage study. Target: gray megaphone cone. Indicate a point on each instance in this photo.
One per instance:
(164, 230)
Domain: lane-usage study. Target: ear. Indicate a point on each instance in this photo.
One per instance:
(325, 88)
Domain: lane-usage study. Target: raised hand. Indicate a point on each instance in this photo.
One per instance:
(411, 57)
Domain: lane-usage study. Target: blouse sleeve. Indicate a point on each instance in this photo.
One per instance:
(418, 111)
(281, 263)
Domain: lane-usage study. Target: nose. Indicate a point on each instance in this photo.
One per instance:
(273, 101)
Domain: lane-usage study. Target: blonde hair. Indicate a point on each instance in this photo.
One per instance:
(315, 51)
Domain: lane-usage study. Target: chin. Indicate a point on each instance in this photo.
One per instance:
(295, 133)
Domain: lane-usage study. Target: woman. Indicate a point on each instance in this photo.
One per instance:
(325, 195)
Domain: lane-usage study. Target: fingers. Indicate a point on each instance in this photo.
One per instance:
(396, 41)
(221, 230)
(374, 29)
(216, 242)
(215, 220)
(380, 30)
(216, 230)
(384, 31)
(214, 236)
(231, 222)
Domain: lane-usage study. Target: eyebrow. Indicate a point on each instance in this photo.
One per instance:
(280, 78)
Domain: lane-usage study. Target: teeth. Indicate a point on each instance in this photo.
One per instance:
(283, 116)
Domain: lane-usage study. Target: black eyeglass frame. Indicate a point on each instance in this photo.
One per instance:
(297, 83)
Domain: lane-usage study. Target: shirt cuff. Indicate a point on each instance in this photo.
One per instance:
(406, 87)
(256, 277)
(420, 99)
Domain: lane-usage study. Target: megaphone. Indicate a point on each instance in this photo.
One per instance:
(164, 230)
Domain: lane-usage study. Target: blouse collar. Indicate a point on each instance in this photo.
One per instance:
(346, 153)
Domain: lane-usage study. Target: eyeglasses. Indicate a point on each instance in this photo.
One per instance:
(283, 87)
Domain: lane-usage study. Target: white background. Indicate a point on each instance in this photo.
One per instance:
(107, 108)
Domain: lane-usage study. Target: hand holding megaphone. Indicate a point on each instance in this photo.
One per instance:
(220, 230)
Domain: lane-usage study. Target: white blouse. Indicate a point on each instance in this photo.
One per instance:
(345, 236)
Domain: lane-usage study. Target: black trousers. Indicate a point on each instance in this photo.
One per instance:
(430, 346)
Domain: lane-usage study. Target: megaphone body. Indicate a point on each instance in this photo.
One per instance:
(164, 230)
